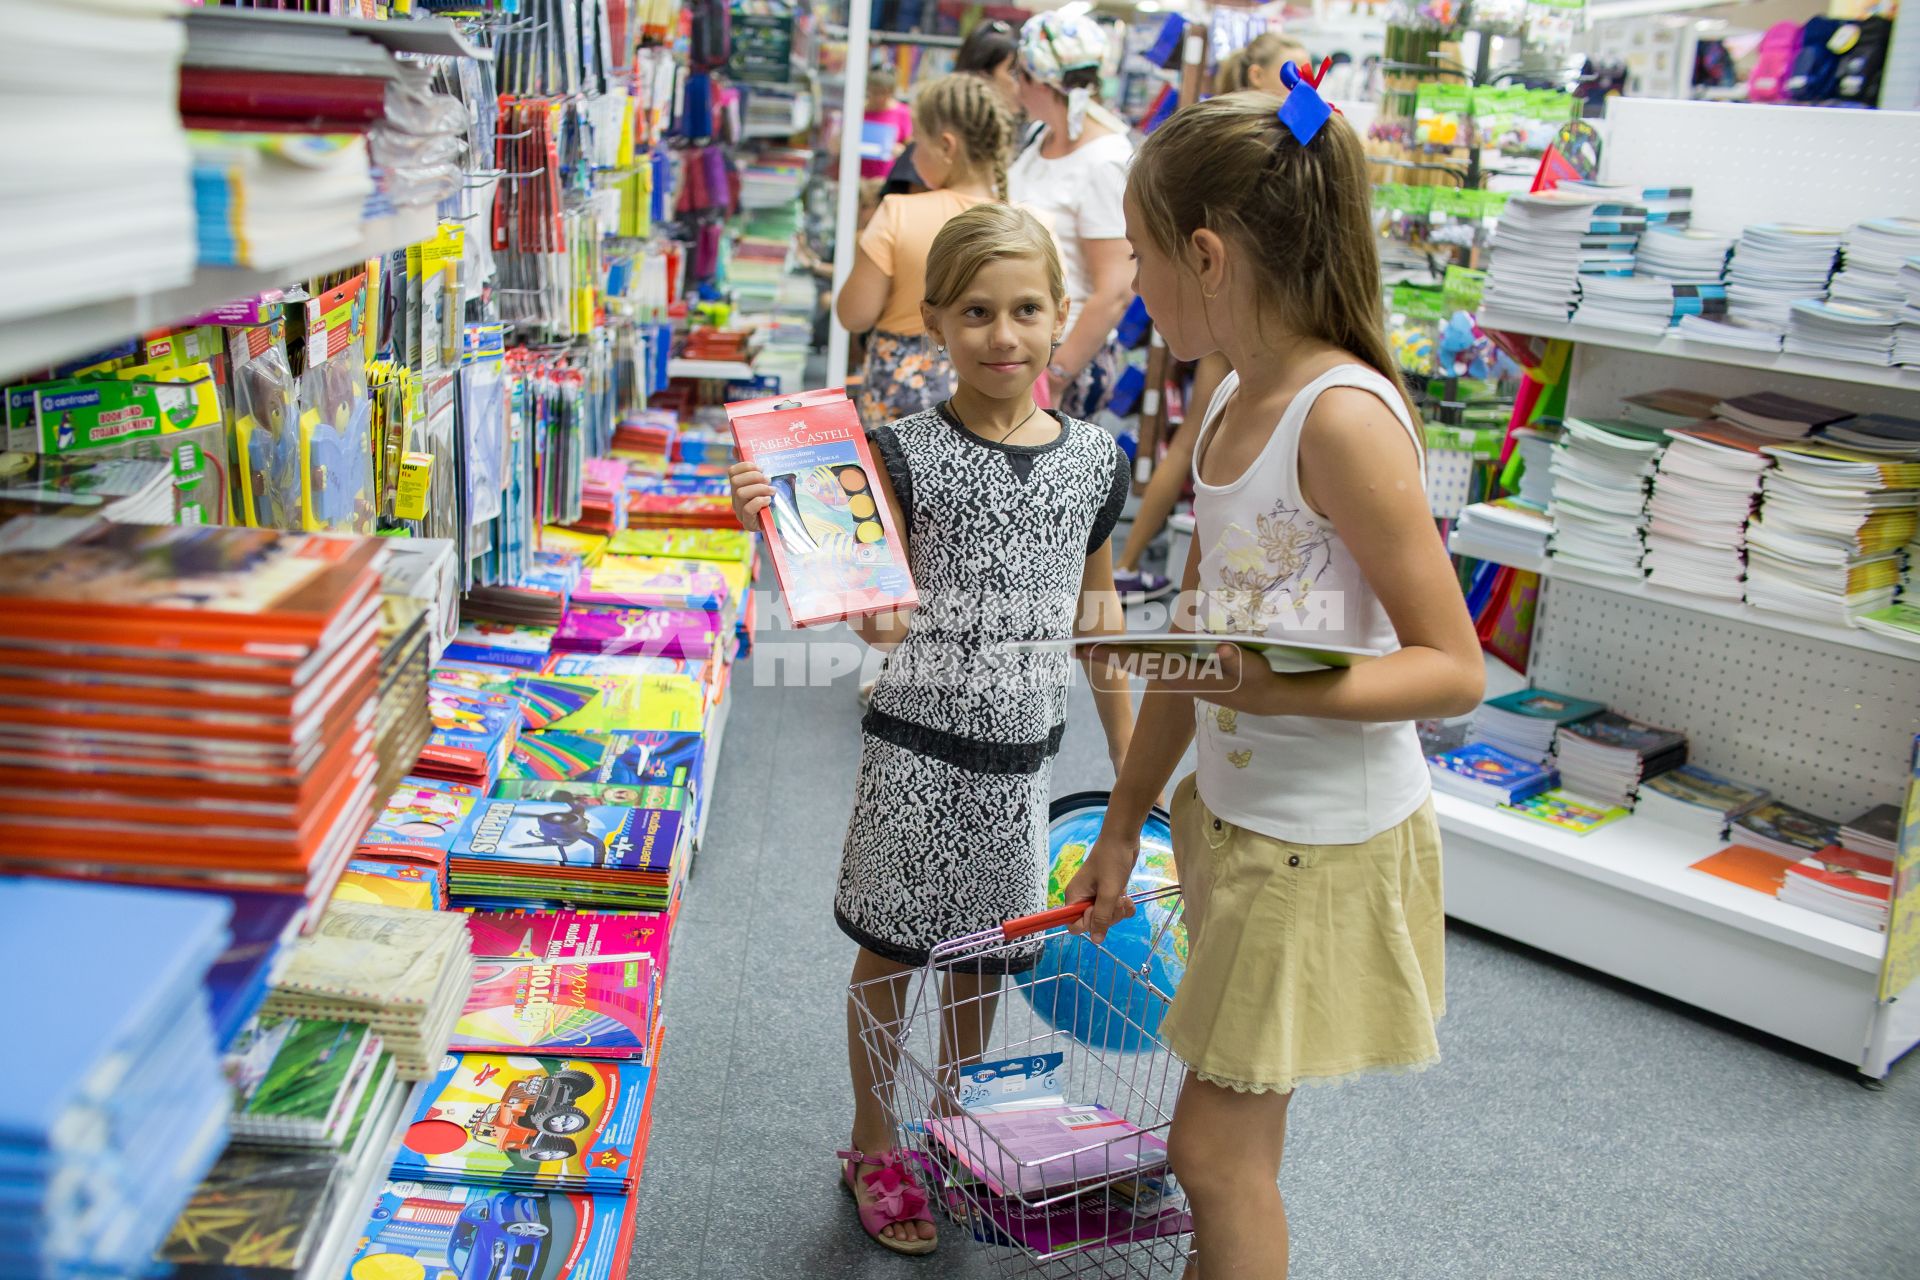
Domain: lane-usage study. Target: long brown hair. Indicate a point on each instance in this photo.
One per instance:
(1299, 216)
(1231, 75)
(969, 107)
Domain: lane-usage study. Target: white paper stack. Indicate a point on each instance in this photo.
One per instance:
(1703, 493)
(1906, 339)
(1635, 304)
(1685, 255)
(1873, 254)
(1732, 331)
(1775, 265)
(97, 201)
(1535, 448)
(1546, 240)
(1826, 544)
(1600, 475)
(1507, 531)
(1837, 330)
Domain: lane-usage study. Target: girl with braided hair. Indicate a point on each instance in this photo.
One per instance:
(963, 135)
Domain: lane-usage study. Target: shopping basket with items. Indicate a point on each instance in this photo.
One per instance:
(1038, 1122)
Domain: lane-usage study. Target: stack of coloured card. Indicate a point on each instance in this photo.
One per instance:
(404, 973)
(534, 1123)
(186, 705)
(112, 1105)
(1605, 757)
(567, 848)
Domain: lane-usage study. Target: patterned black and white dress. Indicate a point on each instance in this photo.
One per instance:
(948, 835)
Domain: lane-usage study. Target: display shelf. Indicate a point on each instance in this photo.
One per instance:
(728, 370)
(1673, 344)
(1654, 861)
(1735, 610)
(35, 341)
(424, 36)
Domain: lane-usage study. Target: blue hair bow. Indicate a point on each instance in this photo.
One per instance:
(1304, 111)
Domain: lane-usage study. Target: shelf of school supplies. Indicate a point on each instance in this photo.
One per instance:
(1736, 610)
(724, 370)
(1655, 861)
(33, 342)
(1673, 344)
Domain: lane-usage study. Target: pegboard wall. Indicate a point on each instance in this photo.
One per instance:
(1768, 163)
(1822, 726)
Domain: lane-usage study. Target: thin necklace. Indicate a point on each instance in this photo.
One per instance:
(1010, 430)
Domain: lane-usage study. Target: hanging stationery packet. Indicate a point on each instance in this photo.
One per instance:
(835, 549)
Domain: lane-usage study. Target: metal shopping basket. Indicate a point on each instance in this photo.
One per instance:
(1059, 1167)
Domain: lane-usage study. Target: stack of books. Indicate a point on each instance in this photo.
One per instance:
(1606, 757)
(1872, 256)
(1668, 408)
(1826, 544)
(1704, 490)
(1836, 330)
(1776, 264)
(271, 200)
(1600, 475)
(1683, 254)
(1523, 724)
(1883, 434)
(562, 847)
(1844, 884)
(104, 1145)
(98, 201)
(1646, 304)
(1906, 339)
(403, 973)
(1743, 332)
(1508, 530)
(1487, 775)
(1779, 828)
(1700, 803)
(1546, 241)
(187, 705)
(1780, 416)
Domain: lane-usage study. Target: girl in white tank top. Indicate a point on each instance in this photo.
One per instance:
(1308, 853)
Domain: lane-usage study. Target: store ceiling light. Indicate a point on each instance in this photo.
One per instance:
(1076, 7)
(1147, 6)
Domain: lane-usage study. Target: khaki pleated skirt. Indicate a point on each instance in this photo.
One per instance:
(1307, 963)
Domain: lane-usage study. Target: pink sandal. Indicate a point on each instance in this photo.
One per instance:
(896, 1198)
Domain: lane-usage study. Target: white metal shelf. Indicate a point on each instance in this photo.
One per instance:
(33, 342)
(1654, 861)
(1735, 610)
(1673, 344)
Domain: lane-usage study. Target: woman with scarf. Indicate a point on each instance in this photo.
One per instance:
(1075, 175)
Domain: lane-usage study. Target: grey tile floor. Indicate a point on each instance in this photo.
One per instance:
(1577, 1128)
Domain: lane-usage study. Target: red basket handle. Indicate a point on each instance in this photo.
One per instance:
(1041, 921)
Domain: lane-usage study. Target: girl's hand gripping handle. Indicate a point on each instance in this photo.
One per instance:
(1099, 888)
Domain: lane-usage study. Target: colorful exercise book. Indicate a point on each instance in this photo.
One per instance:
(587, 1008)
(472, 735)
(661, 758)
(568, 849)
(1565, 812)
(570, 935)
(543, 1123)
(1046, 1149)
(649, 582)
(1781, 828)
(1842, 883)
(1488, 775)
(297, 1082)
(611, 703)
(426, 1229)
(727, 545)
(1523, 723)
(500, 644)
(396, 884)
(1754, 869)
(670, 633)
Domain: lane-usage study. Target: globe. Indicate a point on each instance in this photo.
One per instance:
(1110, 996)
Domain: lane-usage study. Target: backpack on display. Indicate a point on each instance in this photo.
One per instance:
(1858, 75)
(1816, 68)
(1773, 63)
(710, 43)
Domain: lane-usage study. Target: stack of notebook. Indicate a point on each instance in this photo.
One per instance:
(1683, 255)
(1523, 724)
(1775, 265)
(1605, 757)
(1826, 544)
(1782, 417)
(1834, 330)
(403, 973)
(1547, 240)
(1600, 475)
(187, 705)
(1872, 256)
(1700, 803)
(1704, 490)
(568, 848)
(1906, 340)
(112, 1118)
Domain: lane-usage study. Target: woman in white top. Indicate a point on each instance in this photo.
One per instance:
(1075, 175)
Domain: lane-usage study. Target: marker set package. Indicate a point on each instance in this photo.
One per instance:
(835, 548)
